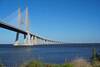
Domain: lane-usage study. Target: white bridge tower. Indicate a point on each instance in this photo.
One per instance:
(28, 38)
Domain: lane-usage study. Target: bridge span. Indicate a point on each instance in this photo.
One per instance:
(28, 36)
(33, 37)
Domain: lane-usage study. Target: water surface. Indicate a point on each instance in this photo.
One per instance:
(12, 56)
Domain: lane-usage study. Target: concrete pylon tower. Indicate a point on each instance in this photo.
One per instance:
(19, 24)
(27, 19)
(19, 15)
(27, 26)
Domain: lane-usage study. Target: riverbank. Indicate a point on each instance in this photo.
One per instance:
(75, 63)
(80, 62)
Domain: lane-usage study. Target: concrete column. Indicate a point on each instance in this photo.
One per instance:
(24, 36)
(32, 40)
(35, 40)
(28, 39)
(17, 36)
(45, 41)
(16, 40)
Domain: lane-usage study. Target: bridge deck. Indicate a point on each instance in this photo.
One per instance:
(12, 28)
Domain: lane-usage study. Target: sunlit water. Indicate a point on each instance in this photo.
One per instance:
(14, 56)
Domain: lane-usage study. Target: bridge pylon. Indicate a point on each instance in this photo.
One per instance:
(29, 38)
(19, 24)
(27, 26)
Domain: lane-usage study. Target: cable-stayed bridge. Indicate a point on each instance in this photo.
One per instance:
(34, 39)
(29, 38)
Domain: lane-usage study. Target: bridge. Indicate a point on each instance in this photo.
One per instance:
(29, 38)
(33, 38)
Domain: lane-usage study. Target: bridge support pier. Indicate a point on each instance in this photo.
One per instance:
(28, 42)
(32, 40)
(24, 36)
(17, 37)
(35, 40)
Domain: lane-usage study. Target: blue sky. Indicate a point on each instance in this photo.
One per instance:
(70, 21)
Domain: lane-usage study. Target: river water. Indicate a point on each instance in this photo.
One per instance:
(12, 56)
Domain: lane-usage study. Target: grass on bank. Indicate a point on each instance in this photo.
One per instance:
(40, 64)
(1, 65)
(74, 63)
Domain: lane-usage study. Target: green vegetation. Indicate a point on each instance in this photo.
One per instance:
(95, 59)
(94, 54)
(33, 64)
(74, 63)
(96, 63)
(67, 65)
(40, 64)
(1, 65)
